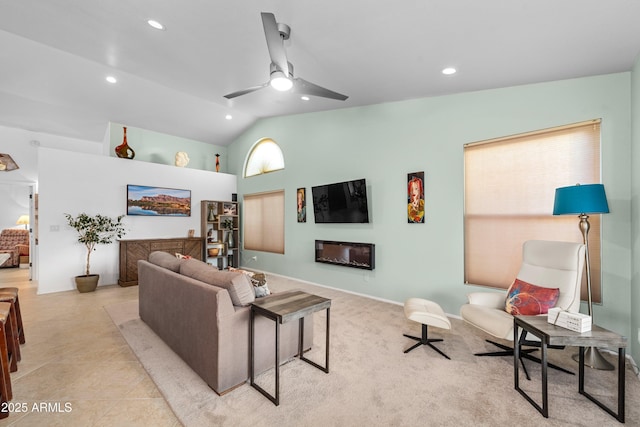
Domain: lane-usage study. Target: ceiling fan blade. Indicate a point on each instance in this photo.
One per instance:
(274, 42)
(245, 91)
(307, 88)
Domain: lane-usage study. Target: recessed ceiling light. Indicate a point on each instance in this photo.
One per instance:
(228, 117)
(449, 71)
(304, 98)
(111, 79)
(155, 24)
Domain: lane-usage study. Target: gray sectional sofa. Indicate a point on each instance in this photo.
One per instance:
(203, 315)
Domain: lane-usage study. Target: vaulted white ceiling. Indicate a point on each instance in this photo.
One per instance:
(55, 55)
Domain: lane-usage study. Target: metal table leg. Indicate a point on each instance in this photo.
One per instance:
(621, 382)
(324, 368)
(544, 409)
(275, 399)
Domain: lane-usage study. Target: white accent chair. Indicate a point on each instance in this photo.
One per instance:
(549, 264)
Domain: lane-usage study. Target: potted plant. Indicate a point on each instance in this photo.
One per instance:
(94, 230)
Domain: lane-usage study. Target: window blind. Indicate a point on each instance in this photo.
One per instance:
(509, 194)
(264, 221)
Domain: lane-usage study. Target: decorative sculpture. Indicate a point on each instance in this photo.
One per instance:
(123, 150)
(182, 159)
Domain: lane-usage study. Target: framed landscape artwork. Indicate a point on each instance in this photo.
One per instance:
(158, 201)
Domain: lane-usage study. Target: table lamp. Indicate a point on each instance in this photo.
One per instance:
(583, 200)
(23, 220)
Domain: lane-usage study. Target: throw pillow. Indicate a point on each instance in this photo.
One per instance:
(180, 256)
(261, 291)
(530, 300)
(259, 279)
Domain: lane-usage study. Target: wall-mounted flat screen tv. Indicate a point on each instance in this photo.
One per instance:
(342, 202)
(158, 201)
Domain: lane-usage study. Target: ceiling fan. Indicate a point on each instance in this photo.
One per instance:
(281, 70)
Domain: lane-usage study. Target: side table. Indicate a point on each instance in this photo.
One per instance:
(550, 334)
(281, 308)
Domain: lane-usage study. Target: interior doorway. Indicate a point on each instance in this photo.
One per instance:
(20, 200)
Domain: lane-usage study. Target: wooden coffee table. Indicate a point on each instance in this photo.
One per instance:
(282, 308)
(550, 334)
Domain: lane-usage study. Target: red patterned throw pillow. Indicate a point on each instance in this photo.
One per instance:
(529, 300)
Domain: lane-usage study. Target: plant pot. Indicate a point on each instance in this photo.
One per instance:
(87, 283)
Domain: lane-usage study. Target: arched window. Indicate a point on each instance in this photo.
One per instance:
(265, 156)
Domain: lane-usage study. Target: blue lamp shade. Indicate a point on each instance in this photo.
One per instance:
(580, 199)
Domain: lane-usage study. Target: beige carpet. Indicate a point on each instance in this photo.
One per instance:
(373, 383)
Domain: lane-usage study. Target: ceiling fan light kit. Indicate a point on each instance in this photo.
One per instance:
(280, 82)
(281, 71)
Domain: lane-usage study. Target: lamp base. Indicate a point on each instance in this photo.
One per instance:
(593, 359)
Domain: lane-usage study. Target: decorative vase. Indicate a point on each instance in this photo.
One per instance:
(123, 150)
(212, 216)
(87, 283)
(230, 239)
(217, 162)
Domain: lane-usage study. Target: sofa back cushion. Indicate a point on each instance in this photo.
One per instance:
(165, 260)
(237, 284)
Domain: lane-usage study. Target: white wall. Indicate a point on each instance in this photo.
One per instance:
(15, 202)
(634, 336)
(23, 146)
(76, 182)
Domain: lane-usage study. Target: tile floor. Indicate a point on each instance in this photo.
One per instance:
(76, 368)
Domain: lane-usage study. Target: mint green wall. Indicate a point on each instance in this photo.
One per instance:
(383, 143)
(154, 147)
(634, 337)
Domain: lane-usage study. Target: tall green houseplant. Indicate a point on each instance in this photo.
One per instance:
(95, 230)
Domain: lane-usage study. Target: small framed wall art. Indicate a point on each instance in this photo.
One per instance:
(301, 205)
(229, 209)
(415, 197)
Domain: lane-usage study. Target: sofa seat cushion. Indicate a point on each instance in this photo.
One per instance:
(165, 260)
(237, 284)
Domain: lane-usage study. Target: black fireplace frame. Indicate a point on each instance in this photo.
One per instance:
(360, 255)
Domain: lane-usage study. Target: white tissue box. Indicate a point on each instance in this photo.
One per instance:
(573, 321)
